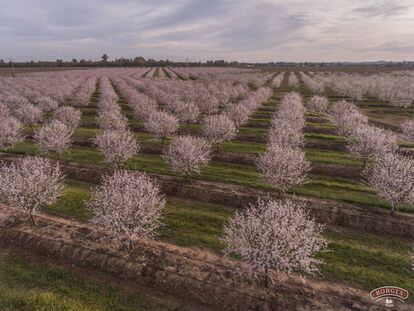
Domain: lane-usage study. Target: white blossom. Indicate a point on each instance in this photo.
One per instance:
(187, 154)
(128, 205)
(278, 235)
(30, 184)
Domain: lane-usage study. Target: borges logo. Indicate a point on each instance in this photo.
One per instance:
(387, 293)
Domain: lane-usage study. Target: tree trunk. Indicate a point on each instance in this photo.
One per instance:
(279, 194)
(32, 218)
(266, 278)
(364, 164)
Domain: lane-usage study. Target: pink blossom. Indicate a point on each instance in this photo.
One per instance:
(278, 235)
(408, 128)
(4, 111)
(291, 110)
(68, 115)
(347, 118)
(350, 122)
(277, 80)
(392, 178)
(293, 80)
(30, 183)
(54, 137)
(288, 123)
(83, 93)
(218, 128)
(239, 114)
(143, 108)
(117, 145)
(339, 108)
(285, 134)
(15, 101)
(283, 167)
(209, 105)
(369, 141)
(10, 132)
(187, 112)
(111, 120)
(187, 154)
(314, 84)
(47, 104)
(161, 124)
(128, 205)
(29, 114)
(318, 103)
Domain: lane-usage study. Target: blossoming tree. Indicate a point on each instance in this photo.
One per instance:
(278, 235)
(30, 183)
(129, 205)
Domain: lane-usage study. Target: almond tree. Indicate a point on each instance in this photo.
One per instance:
(14, 101)
(143, 107)
(408, 128)
(129, 205)
(392, 178)
(315, 85)
(293, 80)
(284, 134)
(218, 128)
(283, 167)
(339, 108)
(54, 137)
(47, 104)
(10, 132)
(83, 93)
(29, 114)
(111, 120)
(209, 105)
(291, 111)
(318, 103)
(4, 111)
(187, 112)
(117, 145)
(68, 115)
(277, 235)
(239, 114)
(346, 117)
(368, 142)
(161, 124)
(30, 183)
(351, 122)
(187, 154)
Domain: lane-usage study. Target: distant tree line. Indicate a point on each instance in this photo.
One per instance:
(141, 61)
(117, 62)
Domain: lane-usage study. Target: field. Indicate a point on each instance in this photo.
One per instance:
(357, 257)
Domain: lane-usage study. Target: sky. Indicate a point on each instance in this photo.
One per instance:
(243, 30)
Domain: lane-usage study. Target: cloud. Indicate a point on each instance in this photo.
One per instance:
(246, 30)
(392, 46)
(382, 9)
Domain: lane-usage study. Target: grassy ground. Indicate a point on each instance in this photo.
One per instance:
(32, 286)
(354, 257)
(342, 190)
